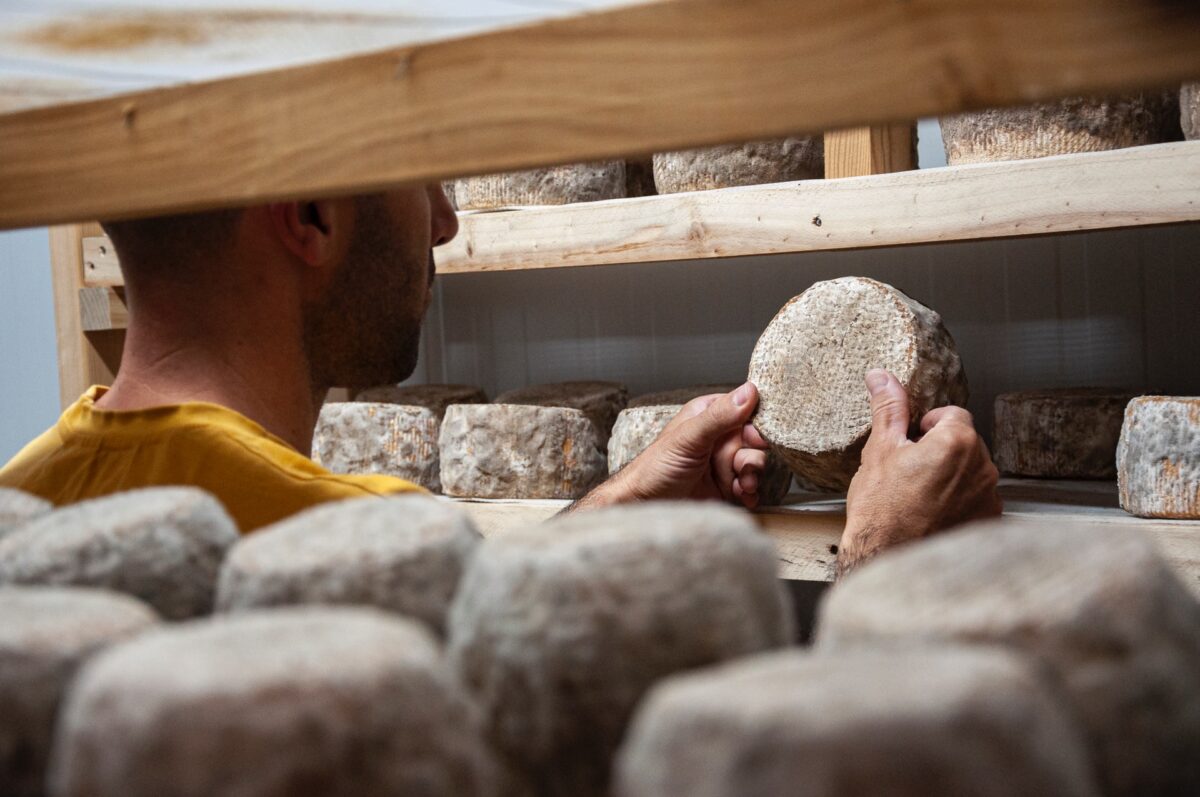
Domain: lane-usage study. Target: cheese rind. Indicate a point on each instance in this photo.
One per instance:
(600, 401)
(556, 185)
(1066, 433)
(810, 362)
(1158, 458)
(1189, 110)
(390, 439)
(46, 634)
(940, 721)
(1075, 124)
(1094, 604)
(18, 507)
(161, 544)
(309, 700)
(404, 554)
(558, 630)
(753, 163)
(518, 451)
(434, 397)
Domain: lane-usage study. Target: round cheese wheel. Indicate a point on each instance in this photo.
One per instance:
(556, 185)
(754, 163)
(1158, 457)
(1066, 433)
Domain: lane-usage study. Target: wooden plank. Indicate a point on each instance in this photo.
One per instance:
(1158, 184)
(102, 309)
(622, 82)
(80, 364)
(878, 149)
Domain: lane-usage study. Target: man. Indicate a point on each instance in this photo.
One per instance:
(241, 320)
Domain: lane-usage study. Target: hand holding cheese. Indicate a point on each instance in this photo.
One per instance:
(907, 489)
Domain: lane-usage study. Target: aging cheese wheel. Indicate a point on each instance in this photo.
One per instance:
(518, 451)
(810, 362)
(943, 721)
(1095, 605)
(557, 185)
(1076, 124)
(559, 630)
(1158, 459)
(774, 161)
(448, 190)
(301, 701)
(391, 439)
(1189, 110)
(435, 397)
(1069, 433)
(161, 544)
(681, 395)
(404, 554)
(18, 507)
(46, 633)
(599, 401)
(637, 428)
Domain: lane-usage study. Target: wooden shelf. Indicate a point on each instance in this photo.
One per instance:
(807, 530)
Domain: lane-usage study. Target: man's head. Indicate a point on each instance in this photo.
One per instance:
(352, 276)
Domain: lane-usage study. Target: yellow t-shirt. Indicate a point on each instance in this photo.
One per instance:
(259, 478)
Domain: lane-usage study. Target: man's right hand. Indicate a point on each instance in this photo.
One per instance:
(907, 489)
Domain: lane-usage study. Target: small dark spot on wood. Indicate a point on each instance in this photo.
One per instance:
(833, 549)
(104, 250)
(128, 113)
(816, 221)
(90, 264)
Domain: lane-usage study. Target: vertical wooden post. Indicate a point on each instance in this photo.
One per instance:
(83, 360)
(859, 151)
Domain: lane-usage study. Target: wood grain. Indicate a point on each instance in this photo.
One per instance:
(102, 309)
(877, 149)
(1124, 188)
(80, 363)
(622, 82)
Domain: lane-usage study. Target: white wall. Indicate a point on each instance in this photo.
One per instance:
(28, 356)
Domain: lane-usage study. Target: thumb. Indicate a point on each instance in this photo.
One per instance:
(730, 411)
(889, 406)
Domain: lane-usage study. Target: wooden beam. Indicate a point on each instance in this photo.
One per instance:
(881, 149)
(622, 82)
(80, 363)
(102, 309)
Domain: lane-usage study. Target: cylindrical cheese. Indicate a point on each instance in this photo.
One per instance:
(1189, 110)
(435, 397)
(1158, 458)
(18, 507)
(1076, 124)
(754, 163)
(390, 439)
(810, 362)
(599, 401)
(1066, 433)
(556, 185)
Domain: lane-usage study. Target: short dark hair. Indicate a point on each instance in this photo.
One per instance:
(157, 245)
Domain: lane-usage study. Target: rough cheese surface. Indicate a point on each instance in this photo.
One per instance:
(334, 701)
(1076, 124)
(18, 507)
(46, 633)
(559, 630)
(754, 163)
(434, 397)
(518, 451)
(600, 401)
(404, 554)
(1068, 433)
(556, 185)
(1158, 458)
(1096, 605)
(1189, 110)
(940, 721)
(390, 439)
(161, 544)
(810, 362)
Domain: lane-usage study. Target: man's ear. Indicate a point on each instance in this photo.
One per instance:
(313, 231)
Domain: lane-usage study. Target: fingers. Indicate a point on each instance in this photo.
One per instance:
(946, 414)
(699, 433)
(723, 463)
(693, 408)
(889, 408)
(753, 438)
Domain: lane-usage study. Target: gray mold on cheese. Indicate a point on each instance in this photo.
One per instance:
(1075, 124)
(330, 701)
(518, 451)
(600, 401)
(753, 163)
(435, 397)
(1068, 433)
(810, 362)
(389, 439)
(46, 633)
(555, 185)
(560, 629)
(18, 507)
(161, 544)
(1189, 110)
(1095, 605)
(1158, 458)
(941, 721)
(404, 554)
